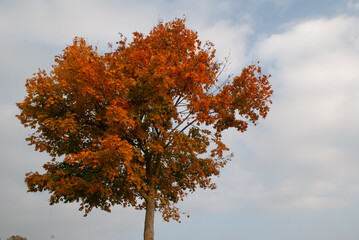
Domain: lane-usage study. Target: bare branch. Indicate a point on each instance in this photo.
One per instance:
(225, 65)
(188, 125)
(184, 111)
(179, 101)
(185, 119)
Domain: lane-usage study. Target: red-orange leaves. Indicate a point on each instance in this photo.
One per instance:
(131, 123)
(243, 100)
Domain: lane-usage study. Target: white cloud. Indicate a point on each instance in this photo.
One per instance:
(229, 40)
(58, 22)
(309, 137)
(304, 156)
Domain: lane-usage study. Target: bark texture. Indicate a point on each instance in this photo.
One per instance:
(149, 219)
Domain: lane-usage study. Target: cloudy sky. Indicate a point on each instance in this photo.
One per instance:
(294, 176)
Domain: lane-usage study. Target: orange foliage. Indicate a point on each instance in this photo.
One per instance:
(131, 124)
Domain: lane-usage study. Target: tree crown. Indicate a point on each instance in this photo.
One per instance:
(137, 122)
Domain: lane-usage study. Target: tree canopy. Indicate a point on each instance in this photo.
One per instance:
(140, 125)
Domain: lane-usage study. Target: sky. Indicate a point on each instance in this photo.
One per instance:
(293, 176)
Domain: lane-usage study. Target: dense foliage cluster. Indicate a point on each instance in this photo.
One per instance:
(134, 125)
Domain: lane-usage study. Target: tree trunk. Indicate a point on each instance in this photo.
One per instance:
(149, 219)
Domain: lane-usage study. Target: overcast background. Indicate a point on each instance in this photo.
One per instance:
(294, 176)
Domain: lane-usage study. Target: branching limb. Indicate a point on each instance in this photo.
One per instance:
(182, 121)
(189, 124)
(225, 65)
(143, 194)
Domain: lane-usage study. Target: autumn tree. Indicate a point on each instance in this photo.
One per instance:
(16, 237)
(139, 126)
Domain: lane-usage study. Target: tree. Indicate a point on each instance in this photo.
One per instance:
(139, 126)
(17, 237)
